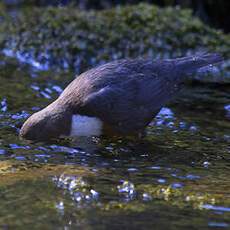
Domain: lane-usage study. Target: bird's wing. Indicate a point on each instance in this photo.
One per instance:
(128, 106)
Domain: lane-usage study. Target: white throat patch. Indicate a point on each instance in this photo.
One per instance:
(85, 126)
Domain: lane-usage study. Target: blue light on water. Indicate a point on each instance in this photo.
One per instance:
(216, 208)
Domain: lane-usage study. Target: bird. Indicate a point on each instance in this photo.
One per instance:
(119, 98)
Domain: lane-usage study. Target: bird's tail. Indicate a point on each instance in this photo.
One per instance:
(192, 63)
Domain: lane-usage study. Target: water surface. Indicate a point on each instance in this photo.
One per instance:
(177, 177)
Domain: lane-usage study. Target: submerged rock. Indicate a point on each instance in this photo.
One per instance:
(69, 38)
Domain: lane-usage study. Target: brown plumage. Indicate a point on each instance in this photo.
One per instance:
(125, 95)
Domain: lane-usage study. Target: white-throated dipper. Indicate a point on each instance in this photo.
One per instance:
(118, 98)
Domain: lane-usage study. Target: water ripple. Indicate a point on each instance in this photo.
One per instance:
(219, 225)
(3, 105)
(215, 208)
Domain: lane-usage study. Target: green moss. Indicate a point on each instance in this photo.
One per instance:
(181, 197)
(68, 36)
(118, 206)
(15, 171)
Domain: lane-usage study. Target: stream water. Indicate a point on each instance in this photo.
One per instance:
(177, 177)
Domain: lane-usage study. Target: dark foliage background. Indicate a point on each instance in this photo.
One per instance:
(215, 13)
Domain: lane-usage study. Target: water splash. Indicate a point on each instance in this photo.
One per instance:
(127, 188)
(79, 190)
(206, 164)
(146, 197)
(166, 113)
(60, 207)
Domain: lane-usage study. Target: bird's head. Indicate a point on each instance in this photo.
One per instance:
(46, 124)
